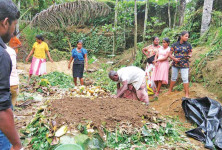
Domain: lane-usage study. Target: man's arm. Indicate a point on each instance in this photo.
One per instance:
(18, 46)
(7, 126)
(123, 89)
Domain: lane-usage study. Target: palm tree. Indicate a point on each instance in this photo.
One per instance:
(206, 17)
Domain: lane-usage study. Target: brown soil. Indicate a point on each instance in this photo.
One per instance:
(210, 70)
(109, 112)
(172, 104)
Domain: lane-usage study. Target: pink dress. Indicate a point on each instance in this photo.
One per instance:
(161, 70)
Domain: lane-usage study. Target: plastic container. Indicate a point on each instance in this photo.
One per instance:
(69, 147)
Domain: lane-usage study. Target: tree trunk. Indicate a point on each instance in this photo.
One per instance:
(145, 20)
(169, 16)
(206, 17)
(115, 28)
(124, 35)
(182, 11)
(175, 16)
(135, 31)
(17, 25)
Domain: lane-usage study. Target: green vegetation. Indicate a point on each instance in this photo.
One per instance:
(37, 132)
(58, 79)
(101, 78)
(40, 134)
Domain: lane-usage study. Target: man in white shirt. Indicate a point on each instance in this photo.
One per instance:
(133, 81)
(14, 78)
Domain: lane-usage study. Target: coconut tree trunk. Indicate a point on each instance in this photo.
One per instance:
(145, 20)
(175, 16)
(169, 16)
(182, 11)
(135, 30)
(115, 28)
(206, 17)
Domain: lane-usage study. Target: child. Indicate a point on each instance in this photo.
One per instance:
(161, 71)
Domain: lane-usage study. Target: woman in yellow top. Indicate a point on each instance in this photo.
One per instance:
(38, 65)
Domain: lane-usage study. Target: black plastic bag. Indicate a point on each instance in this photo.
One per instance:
(151, 59)
(207, 114)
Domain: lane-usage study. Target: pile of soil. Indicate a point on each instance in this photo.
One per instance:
(172, 104)
(110, 112)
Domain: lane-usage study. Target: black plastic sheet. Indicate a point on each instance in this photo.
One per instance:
(207, 114)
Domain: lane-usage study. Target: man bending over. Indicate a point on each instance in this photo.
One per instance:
(133, 83)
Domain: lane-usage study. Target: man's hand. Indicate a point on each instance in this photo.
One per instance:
(113, 96)
(68, 66)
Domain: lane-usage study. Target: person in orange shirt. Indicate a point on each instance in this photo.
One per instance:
(15, 43)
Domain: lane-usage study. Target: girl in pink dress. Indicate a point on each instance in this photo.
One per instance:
(160, 74)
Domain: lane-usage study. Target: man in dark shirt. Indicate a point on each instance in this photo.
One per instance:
(8, 134)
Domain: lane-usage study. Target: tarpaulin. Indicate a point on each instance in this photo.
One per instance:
(207, 114)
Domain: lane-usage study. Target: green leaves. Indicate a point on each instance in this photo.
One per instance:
(150, 134)
(58, 79)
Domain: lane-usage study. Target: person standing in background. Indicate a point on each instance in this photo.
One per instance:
(9, 138)
(14, 78)
(161, 71)
(38, 65)
(182, 51)
(79, 54)
(15, 43)
(150, 51)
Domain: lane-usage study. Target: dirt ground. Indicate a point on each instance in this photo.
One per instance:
(109, 112)
(171, 104)
(61, 66)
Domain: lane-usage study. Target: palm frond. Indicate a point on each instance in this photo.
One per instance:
(77, 13)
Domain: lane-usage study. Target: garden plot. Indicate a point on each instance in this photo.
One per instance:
(85, 115)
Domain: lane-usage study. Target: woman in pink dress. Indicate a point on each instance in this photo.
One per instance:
(161, 71)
